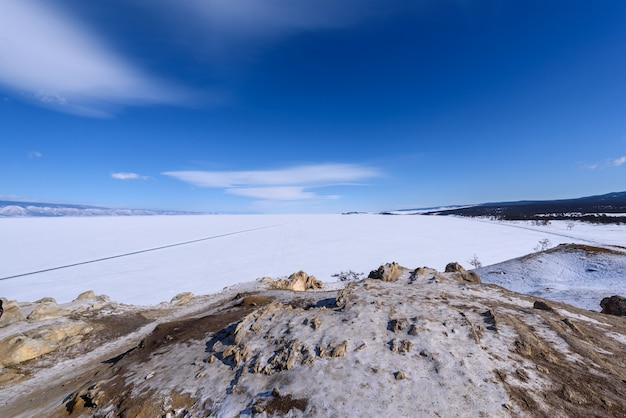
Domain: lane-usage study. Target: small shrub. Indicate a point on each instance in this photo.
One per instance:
(475, 262)
(543, 245)
(348, 276)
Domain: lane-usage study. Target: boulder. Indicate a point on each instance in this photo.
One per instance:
(18, 348)
(541, 305)
(454, 267)
(182, 299)
(461, 274)
(388, 272)
(615, 305)
(11, 313)
(86, 295)
(298, 282)
(47, 308)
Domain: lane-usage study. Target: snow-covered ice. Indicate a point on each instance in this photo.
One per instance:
(140, 262)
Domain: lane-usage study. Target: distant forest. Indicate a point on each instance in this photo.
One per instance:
(604, 209)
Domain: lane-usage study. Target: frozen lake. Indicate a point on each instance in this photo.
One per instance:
(147, 260)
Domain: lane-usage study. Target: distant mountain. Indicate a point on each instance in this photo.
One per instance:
(607, 208)
(26, 209)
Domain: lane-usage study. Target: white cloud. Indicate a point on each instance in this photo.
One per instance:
(35, 154)
(619, 161)
(616, 162)
(318, 174)
(128, 176)
(292, 183)
(237, 27)
(48, 57)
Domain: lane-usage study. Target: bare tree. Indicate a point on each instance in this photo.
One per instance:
(474, 261)
(543, 245)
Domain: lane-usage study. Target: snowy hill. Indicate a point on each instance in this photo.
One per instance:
(607, 208)
(25, 209)
(581, 275)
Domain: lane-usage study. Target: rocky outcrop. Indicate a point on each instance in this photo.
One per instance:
(11, 313)
(461, 274)
(297, 282)
(182, 299)
(19, 348)
(389, 272)
(89, 294)
(47, 308)
(615, 305)
(426, 343)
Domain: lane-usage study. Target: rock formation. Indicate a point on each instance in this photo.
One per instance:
(424, 343)
(298, 282)
(615, 305)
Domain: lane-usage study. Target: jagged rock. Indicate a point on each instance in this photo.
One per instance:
(11, 313)
(18, 348)
(298, 282)
(388, 272)
(396, 325)
(182, 299)
(86, 295)
(399, 375)
(315, 323)
(340, 350)
(84, 399)
(47, 308)
(462, 274)
(615, 305)
(47, 299)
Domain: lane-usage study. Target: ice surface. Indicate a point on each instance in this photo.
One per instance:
(220, 250)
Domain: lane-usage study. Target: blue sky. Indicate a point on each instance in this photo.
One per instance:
(310, 105)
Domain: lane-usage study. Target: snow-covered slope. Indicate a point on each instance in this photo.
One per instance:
(427, 344)
(581, 275)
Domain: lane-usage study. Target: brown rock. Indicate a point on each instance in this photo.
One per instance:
(388, 272)
(47, 309)
(539, 304)
(86, 295)
(11, 313)
(298, 282)
(615, 305)
(454, 267)
(340, 350)
(18, 348)
(462, 274)
(182, 299)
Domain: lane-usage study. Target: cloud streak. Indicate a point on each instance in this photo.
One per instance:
(51, 59)
(616, 162)
(293, 183)
(619, 161)
(128, 176)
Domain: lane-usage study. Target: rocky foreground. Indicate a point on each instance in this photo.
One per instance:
(404, 342)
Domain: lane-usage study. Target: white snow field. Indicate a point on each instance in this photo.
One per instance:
(147, 260)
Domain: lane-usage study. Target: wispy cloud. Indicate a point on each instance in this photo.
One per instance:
(619, 161)
(239, 27)
(615, 162)
(293, 183)
(34, 154)
(128, 176)
(51, 59)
